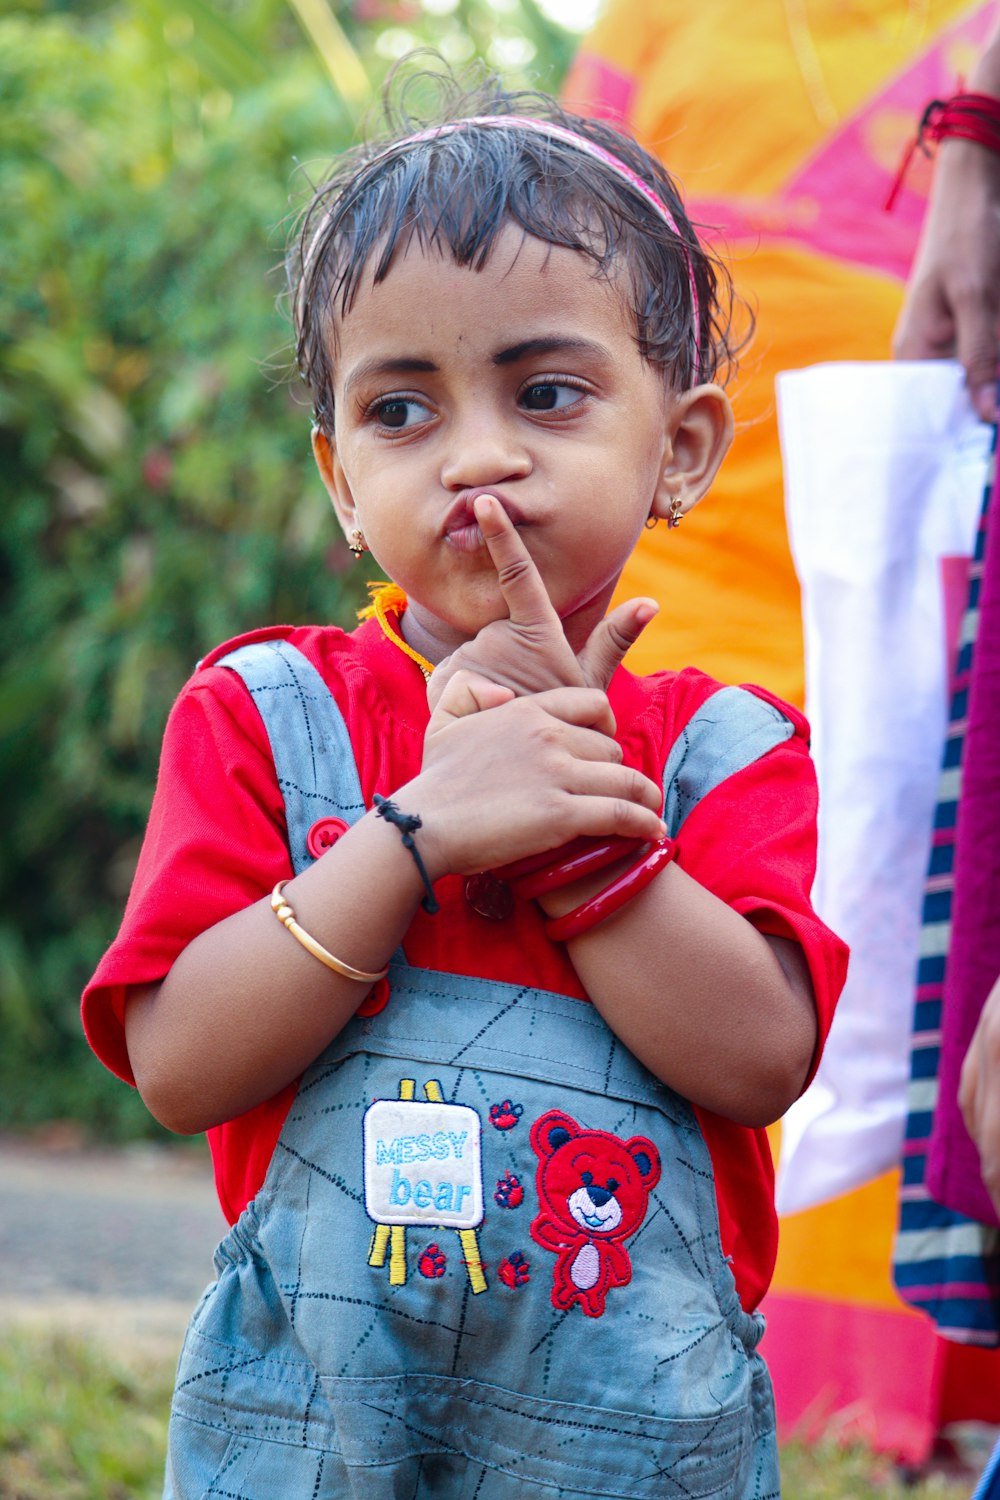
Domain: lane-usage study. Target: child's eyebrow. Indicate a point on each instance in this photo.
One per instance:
(377, 367)
(556, 345)
(526, 349)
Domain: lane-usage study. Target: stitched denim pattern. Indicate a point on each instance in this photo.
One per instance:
(365, 1339)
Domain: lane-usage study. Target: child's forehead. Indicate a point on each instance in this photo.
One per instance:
(521, 277)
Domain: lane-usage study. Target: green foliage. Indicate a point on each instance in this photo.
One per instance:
(158, 489)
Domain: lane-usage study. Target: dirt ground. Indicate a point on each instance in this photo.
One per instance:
(114, 1243)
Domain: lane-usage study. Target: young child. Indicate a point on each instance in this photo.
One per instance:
(484, 1066)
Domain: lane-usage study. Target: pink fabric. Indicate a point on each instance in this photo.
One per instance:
(601, 90)
(880, 1374)
(953, 1173)
(833, 205)
(955, 589)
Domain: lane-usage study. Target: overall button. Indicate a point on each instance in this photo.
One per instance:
(377, 999)
(324, 834)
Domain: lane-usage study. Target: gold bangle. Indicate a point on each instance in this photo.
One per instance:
(286, 916)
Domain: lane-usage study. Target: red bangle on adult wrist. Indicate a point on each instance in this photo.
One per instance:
(969, 117)
(614, 896)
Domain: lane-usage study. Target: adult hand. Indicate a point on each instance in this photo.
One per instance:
(528, 651)
(979, 1092)
(952, 304)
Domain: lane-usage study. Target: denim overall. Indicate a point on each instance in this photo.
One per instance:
(485, 1261)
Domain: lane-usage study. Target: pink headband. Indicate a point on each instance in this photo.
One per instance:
(590, 148)
(581, 143)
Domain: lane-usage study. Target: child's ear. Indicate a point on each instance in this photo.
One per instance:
(332, 474)
(698, 433)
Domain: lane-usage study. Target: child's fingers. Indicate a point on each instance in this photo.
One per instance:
(468, 693)
(601, 817)
(616, 783)
(612, 637)
(524, 593)
(588, 707)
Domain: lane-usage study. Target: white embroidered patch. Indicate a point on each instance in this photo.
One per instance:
(423, 1163)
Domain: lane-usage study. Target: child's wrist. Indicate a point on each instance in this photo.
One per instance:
(568, 897)
(408, 825)
(430, 839)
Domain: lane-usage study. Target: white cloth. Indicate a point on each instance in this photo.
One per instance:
(884, 472)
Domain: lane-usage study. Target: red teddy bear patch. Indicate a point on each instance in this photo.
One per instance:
(593, 1190)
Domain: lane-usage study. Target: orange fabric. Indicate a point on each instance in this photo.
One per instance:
(767, 114)
(823, 1252)
(784, 122)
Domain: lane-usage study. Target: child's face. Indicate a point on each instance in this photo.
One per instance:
(522, 380)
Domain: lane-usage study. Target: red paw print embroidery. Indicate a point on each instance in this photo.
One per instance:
(514, 1271)
(432, 1263)
(506, 1115)
(508, 1193)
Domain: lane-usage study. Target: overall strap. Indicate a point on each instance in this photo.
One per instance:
(732, 729)
(318, 777)
(311, 747)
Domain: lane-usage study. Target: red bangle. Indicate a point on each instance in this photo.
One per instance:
(970, 117)
(596, 854)
(614, 896)
(532, 862)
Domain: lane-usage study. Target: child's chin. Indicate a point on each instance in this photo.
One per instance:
(481, 609)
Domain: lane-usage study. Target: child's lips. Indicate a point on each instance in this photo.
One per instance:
(466, 538)
(462, 530)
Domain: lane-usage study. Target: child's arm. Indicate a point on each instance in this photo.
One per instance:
(719, 1011)
(245, 1008)
(724, 1014)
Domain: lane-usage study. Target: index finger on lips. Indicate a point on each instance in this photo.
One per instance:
(520, 582)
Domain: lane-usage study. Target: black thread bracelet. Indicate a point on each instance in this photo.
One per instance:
(408, 823)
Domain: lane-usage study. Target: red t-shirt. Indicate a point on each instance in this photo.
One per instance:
(216, 843)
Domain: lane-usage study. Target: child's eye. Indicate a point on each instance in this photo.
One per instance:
(399, 412)
(550, 395)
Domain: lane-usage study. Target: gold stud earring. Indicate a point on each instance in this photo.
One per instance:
(676, 515)
(356, 542)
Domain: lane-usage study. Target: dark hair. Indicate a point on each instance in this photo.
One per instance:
(459, 191)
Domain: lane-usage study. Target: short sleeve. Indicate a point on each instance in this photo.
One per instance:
(214, 843)
(751, 841)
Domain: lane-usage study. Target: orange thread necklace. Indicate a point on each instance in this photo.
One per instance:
(386, 597)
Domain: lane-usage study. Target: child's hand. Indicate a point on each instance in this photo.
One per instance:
(528, 652)
(527, 776)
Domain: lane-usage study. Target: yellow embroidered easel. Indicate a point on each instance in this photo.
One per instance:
(392, 1237)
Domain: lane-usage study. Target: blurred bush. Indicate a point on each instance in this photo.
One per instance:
(158, 490)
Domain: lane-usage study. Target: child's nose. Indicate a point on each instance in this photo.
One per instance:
(483, 452)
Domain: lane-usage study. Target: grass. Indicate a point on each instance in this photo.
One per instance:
(827, 1471)
(80, 1423)
(77, 1423)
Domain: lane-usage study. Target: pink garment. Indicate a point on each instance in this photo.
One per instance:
(953, 1173)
